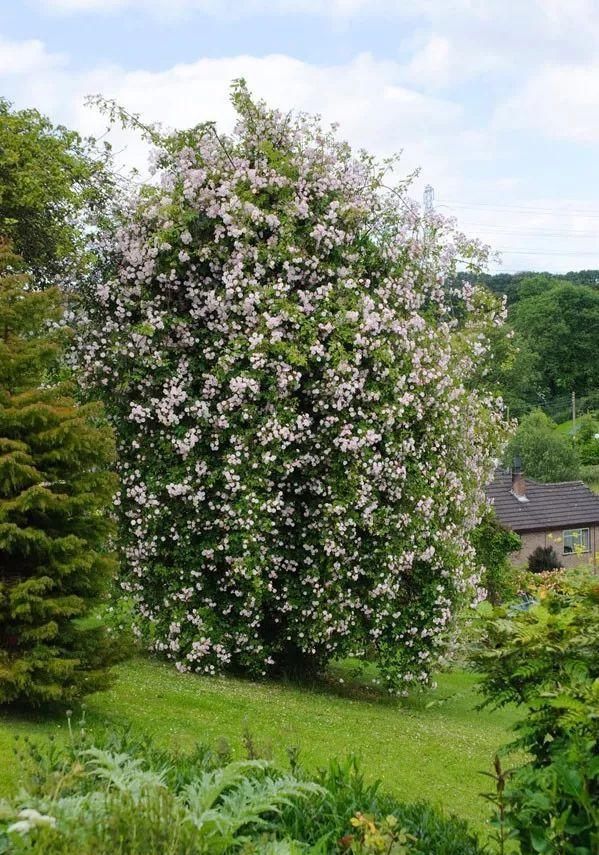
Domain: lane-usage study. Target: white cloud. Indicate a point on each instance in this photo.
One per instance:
(26, 57)
(438, 62)
(374, 109)
(373, 103)
(561, 102)
(226, 8)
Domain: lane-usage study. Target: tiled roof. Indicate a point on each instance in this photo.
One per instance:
(564, 505)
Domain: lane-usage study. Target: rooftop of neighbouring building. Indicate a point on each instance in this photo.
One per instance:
(545, 506)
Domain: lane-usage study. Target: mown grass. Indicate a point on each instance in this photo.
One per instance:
(431, 746)
(566, 427)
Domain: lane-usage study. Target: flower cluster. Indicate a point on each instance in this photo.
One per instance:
(289, 365)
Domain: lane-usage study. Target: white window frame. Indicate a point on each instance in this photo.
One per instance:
(582, 541)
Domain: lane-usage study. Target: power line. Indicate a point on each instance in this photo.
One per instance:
(591, 213)
(545, 252)
(530, 232)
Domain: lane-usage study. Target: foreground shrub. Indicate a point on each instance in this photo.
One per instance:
(54, 494)
(546, 659)
(292, 378)
(559, 581)
(124, 795)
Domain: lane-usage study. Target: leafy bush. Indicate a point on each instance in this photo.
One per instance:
(546, 659)
(125, 795)
(587, 440)
(590, 475)
(547, 455)
(543, 558)
(558, 581)
(55, 491)
(494, 544)
(294, 380)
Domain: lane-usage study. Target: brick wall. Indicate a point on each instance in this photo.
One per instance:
(554, 537)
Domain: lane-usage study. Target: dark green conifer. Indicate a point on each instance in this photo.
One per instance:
(55, 490)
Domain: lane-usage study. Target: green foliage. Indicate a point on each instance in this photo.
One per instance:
(561, 581)
(546, 659)
(48, 177)
(516, 286)
(494, 544)
(543, 558)
(590, 476)
(546, 454)
(587, 440)
(561, 326)
(122, 794)
(520, 377)
(554, 321)
(437, 751)
(54, 491)
(385, 836)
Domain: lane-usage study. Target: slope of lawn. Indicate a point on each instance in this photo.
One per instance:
(566, 427)
(431, 746)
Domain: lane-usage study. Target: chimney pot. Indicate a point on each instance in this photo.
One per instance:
(518, 481)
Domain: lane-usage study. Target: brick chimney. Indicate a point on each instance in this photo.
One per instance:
(518, 483)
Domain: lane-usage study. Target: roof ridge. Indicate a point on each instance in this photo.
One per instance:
(560, 483)
(553, 505)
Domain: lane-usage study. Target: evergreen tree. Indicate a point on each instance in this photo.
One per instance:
(54, 492)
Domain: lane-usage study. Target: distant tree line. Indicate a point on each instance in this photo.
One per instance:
(512, 284)
(553, 324)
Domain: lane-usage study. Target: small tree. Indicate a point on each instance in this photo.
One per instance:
(544, 558)
(54, 491)
(546, 454)
(49, 178)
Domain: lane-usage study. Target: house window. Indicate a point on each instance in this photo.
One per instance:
(576, 540)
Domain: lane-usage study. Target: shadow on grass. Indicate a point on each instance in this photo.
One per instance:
(354, 681)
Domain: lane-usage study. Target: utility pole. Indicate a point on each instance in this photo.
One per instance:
(573, 411)
(428, 198)
(427, 207)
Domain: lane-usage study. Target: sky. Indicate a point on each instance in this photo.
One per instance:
(496, 102)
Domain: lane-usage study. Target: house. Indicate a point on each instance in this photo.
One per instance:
(565, 516)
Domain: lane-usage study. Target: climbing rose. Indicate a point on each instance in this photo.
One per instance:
(290, 369)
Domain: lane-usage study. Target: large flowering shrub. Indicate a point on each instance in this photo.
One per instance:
(291, 377)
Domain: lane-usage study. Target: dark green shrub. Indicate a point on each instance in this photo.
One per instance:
(543, 558)
(55, 492)
(546, 659)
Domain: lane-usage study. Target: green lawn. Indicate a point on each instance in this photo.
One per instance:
(566, 427)
(419, 750)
